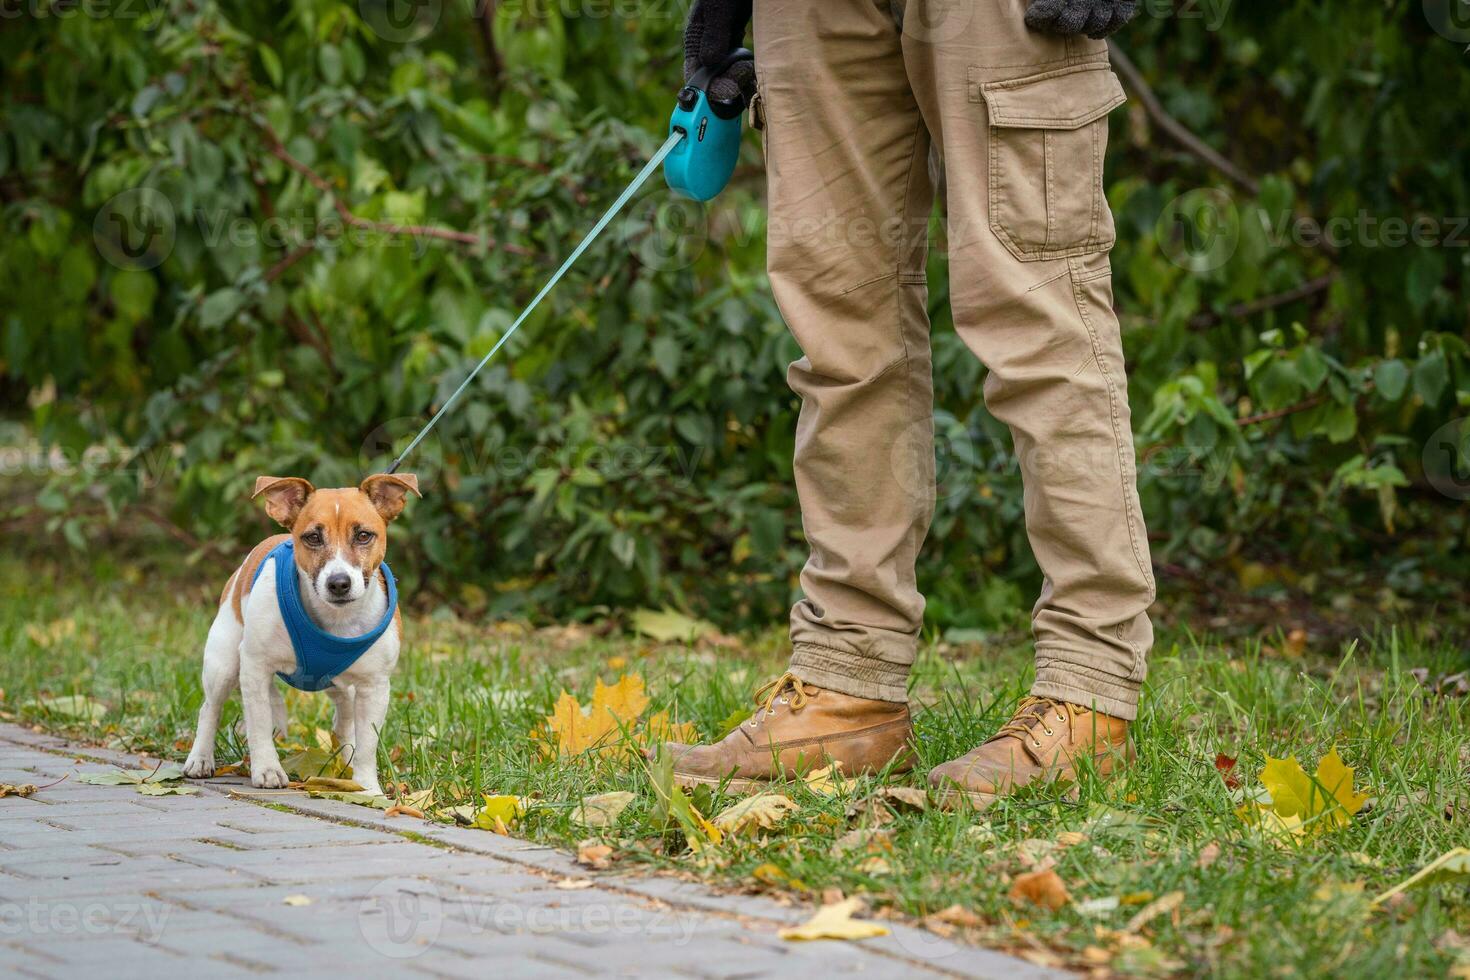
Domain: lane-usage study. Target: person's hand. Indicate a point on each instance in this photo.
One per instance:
(715, 29)
(1095, 18)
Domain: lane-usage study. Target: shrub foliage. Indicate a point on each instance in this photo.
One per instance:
(269, 238)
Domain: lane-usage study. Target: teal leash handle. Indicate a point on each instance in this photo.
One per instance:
(702, 165)
(653, 164)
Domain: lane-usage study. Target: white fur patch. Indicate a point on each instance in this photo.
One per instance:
(338, 565)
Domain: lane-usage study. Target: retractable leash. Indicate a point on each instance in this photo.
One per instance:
(698, 156)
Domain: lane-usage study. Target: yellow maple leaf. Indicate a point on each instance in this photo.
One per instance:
(660, 728)
(573, 731)
(835, 921)
(611, 720)
(1301, 805)
(624, 700)
(499, 812)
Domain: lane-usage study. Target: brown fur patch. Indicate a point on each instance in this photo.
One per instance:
(244, 576)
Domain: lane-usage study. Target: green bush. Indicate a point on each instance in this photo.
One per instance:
(244, 239)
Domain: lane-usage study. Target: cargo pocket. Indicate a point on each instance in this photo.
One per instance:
(1048, 136)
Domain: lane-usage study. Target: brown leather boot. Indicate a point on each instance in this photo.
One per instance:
(800, 728)
(1042, 742)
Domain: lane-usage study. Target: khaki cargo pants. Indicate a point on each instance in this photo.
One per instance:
(853, 96)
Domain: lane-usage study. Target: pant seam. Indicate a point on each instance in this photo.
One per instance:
(912, 552)
(1102, 366)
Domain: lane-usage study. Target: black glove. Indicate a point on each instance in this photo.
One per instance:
(716, 28)
(1095, 18)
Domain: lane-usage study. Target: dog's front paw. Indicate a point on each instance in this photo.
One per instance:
(268, 777)
(199, 765)
(372, 789)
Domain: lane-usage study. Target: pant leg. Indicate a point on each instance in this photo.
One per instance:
(1021, 121)
(850, 198)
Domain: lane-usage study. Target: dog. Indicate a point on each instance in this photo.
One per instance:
(337, 630)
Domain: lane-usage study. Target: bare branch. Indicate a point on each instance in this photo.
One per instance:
(1181, 134)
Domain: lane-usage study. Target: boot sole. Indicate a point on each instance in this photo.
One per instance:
(744, 784)
(979, 802)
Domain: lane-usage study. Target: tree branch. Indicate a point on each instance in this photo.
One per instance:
(1242, 311)
(278, 150)
(484, 17)
(1181, 134)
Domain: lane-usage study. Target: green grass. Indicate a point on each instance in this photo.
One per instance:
(467, 698)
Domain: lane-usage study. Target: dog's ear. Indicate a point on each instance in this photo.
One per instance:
(387, 491)
(284, 497)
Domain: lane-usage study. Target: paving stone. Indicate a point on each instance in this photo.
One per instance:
(99, 879)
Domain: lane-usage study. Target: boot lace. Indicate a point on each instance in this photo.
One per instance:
(788, 689)
(1033, 711)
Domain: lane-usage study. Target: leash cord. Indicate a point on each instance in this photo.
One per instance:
(592, 235)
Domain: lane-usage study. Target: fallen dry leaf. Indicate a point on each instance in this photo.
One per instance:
(776, 877)
(331, 784)
(594, 854)
(296, 901)
(835, 921)
(1225, 765)
(870, 839)
(1070, 838)
(1162, 905)
(1452, 865)
(573, 884)
(764, 811)
(905, 797)
(1044, 888)
(317, 761)
(957, 915)
(1208, 855)
(825, 781)
(603, 809)
(400, 810)
(16, 789)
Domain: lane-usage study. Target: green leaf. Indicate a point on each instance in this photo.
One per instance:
(166, 789)
(219, 306)
(1391, 379)
(146, 98)
(330, 60)
(271, 62)
(1431, 376)
(671, 626)
(78, 707)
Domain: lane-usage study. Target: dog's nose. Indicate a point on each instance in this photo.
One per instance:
(339, 584)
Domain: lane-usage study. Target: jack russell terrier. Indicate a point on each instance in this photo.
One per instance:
(317, 607)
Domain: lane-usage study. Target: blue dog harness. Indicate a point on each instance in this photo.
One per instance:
(320, 656)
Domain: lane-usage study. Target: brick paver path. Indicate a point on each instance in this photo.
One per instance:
(102, 880)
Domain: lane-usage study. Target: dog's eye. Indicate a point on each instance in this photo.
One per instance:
(312, 539)
(363, 537)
